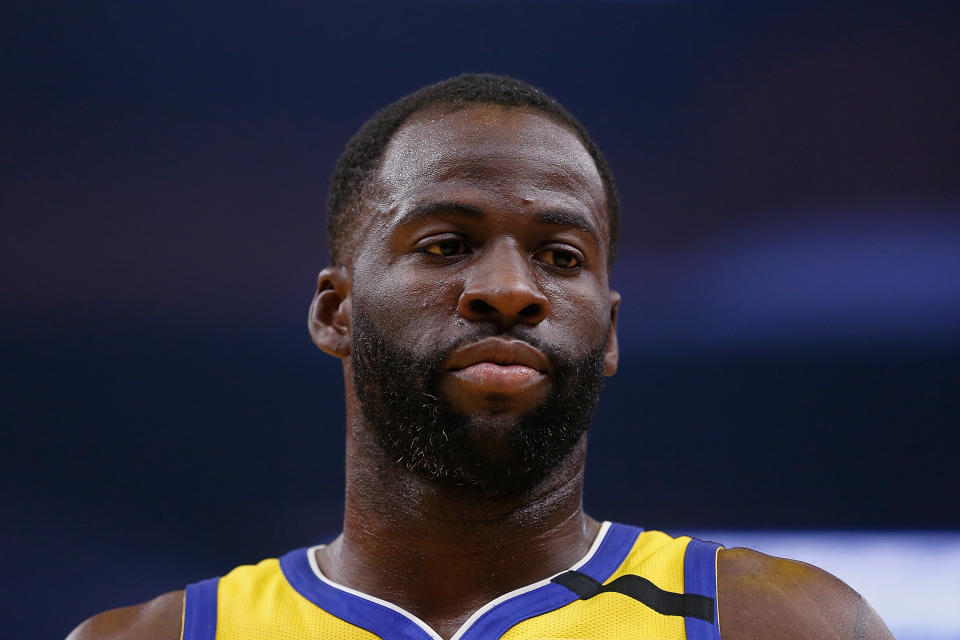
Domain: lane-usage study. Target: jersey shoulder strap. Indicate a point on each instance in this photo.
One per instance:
(200, 611)
(663, 589)
(256, 602)
(700, 577)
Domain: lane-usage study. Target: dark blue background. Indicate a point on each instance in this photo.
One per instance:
(790, 328)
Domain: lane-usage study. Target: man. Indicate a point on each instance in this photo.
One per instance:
(472, 227)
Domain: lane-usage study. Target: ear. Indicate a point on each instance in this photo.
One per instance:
(612, 354)
(331, 313)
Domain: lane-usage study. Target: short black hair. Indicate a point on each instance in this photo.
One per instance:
(364, 151)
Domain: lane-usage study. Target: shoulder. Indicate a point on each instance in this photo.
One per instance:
(158, 619)
(760, 596)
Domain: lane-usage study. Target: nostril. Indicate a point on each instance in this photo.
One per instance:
(481, 307)
(530, 311)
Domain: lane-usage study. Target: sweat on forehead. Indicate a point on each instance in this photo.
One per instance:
(351, 185)
(486, 145)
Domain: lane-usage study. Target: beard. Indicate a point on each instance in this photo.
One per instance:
(420, 430)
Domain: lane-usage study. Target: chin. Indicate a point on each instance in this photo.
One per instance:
(497, 454)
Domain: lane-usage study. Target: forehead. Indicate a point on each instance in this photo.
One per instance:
(517, 156)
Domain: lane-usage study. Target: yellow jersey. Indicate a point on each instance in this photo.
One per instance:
(631, 585)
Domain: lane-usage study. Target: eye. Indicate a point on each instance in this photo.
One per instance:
(451, 247)
(560, 258)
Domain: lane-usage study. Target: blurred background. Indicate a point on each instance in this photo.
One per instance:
(789, 264)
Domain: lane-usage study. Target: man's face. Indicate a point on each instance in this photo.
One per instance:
(482, 315)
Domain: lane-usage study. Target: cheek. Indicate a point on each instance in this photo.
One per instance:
(413, 308)
(579, 317)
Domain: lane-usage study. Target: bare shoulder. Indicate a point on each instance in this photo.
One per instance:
(760, 596)
(158, 619)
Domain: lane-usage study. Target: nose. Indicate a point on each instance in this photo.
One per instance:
(501, 287)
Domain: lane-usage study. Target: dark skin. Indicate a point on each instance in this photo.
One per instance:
(491, 215)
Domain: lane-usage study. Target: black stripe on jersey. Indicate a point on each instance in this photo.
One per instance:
(664, 602)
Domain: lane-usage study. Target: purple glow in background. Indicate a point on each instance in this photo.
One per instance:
(880, 279)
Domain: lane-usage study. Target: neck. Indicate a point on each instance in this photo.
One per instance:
(442, 552)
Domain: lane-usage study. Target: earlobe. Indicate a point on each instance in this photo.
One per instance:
(612, 354)
(330, 318)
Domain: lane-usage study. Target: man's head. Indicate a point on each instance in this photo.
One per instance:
(470, 301)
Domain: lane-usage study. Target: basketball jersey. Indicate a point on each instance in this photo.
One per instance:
(631, 585)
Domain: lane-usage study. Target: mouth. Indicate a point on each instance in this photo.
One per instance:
(498, 365)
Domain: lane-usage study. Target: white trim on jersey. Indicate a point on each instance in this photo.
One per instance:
(312, 559)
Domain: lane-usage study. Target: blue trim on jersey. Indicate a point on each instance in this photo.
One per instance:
(389, 624)
(610, 555)
(360, 612)
(700, 576)
(200, 610)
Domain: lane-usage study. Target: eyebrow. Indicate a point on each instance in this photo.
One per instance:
(568, 219)
(557, 217)
(428, 209)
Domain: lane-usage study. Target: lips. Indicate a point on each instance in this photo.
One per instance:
(498, 351)
(498, 366)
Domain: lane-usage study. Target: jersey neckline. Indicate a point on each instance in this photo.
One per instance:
(391, 622)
